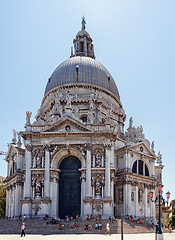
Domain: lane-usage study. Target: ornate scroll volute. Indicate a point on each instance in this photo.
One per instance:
(88, 146)
(83, 176)
(120, 195)
(28, 147)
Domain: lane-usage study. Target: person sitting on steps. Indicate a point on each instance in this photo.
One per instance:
(100, 226)
(61, 226)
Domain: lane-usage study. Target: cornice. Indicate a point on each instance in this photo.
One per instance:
(30, 135)
(129, 149)
(81, 85)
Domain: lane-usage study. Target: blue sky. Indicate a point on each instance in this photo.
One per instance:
(133, 39)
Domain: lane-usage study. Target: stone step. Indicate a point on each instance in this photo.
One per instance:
(38, 226)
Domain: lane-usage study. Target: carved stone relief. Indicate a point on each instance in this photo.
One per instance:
(120, 195)
(132, 196)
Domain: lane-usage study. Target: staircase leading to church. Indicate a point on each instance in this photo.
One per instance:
(38, 226)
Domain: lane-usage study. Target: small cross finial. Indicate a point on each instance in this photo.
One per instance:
(83, 22)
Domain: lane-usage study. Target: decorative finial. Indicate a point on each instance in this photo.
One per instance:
(130, 123)
(152, 146)
(83, 22)
(14, 137)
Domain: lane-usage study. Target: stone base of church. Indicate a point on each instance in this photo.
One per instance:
(103, 207)
(35, 207)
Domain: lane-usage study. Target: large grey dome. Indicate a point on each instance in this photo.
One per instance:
(89, 71)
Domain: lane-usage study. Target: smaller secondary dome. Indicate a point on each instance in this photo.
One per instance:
(82, 70)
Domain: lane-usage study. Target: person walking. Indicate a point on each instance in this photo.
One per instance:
(23, 229)
(170, 228)
(152, 222)
(108, 228)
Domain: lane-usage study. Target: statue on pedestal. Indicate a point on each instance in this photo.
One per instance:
(28, 117)
(14, 136)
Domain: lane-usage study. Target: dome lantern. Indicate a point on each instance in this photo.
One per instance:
(83, 43)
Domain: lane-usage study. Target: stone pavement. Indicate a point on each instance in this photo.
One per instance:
(146, 236)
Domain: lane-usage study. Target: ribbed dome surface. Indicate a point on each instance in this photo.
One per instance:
(89, 71)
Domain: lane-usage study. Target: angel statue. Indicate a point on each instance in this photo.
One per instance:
(28, 117)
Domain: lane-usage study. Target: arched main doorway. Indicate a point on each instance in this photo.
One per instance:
(69, 187)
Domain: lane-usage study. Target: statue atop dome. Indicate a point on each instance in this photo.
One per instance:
(83, 45)
(83, 23)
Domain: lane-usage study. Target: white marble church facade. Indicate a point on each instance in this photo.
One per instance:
(78, 144)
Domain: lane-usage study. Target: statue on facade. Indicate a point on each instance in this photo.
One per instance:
(58, 107)
(132, 196)
(28, 117)
(37, 189)
(19, 140)
(98, 159)
(14, 137)
(130, 123)
(98, 188)
(109, 113)
(159, 158)
(140, 134)
(39, 162)
(152, 146)
(91, 104)
(120, 197)
(68, 99)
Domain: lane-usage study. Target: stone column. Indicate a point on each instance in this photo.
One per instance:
(28, 155)
(17, 201)
(136, 201)
(19, 160)
(128, 199)
(112, 156)
(10, 201)
(146, 204)
(14, 198)
(7, 202)
(107, 171)
(47, 173)
(126, 161)
(54, 194)
(112, 186)
(125, 199)
(83, 178)
(88, 172)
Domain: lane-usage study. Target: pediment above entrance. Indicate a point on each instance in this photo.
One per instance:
(67, 124)
(142, 148)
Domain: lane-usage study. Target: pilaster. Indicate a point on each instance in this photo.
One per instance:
(47, 172)
(28, 155)
(107, 171)
(136, 201)
(88, 171)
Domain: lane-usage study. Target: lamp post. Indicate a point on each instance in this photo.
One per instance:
(168, 197)
(159, 235)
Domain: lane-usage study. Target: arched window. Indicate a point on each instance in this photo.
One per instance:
(140, 167)
(84, 118)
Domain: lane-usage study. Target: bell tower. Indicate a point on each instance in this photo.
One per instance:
(83, 43)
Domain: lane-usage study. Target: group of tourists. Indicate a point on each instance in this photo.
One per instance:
(132, 219)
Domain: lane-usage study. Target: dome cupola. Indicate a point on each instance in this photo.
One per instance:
(83, 43)
(82, 67)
